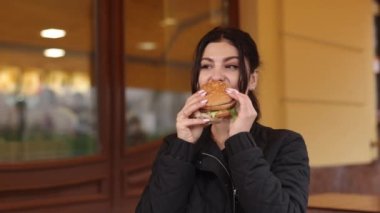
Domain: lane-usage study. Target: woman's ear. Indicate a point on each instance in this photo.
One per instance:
(253, 81)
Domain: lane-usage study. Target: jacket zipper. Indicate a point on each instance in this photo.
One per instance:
(234, 191)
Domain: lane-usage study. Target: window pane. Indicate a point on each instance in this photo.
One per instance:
(47, 104)
(158, 51)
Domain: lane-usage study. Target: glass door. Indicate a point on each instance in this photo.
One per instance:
(47, 98)
(87, 91)
(52, 155)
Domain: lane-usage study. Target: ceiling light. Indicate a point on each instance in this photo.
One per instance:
(53, 33)
(54, 53)
(166, 22)
(147, 45)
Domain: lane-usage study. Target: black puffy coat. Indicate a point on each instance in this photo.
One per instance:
(264, 171)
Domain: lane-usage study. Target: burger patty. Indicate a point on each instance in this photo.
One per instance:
(227, 105)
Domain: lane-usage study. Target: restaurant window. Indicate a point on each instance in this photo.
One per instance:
(47, 99)
(160, 39)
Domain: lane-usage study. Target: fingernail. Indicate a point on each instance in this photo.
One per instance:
(229, 90)
(203, 93)
(206, 120)
(204, 101)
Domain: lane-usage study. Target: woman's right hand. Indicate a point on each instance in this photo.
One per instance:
(188, 128)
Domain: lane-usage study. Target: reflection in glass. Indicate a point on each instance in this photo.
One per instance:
(47, 106)
(151, 113)
(158, 55)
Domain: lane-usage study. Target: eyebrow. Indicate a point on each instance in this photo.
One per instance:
(224, 60)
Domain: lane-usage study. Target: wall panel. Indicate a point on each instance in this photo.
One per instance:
(329, 88)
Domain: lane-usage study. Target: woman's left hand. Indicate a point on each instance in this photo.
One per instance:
(246, 112)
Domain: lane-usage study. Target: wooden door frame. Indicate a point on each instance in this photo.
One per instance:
(111, 42)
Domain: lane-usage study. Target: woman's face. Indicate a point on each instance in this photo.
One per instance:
(220, 62)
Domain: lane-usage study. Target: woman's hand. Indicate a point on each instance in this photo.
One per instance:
(190, 129)
(246, 113)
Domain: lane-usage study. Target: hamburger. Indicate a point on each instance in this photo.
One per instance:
(219, 104)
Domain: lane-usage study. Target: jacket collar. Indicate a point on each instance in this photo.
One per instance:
(210, 158)
(207, 144)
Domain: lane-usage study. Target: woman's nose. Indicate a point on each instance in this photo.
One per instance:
(217, 75)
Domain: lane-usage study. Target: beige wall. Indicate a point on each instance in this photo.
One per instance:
(316, 75)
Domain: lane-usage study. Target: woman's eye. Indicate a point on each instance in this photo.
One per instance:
(232, 67)
(205, 66)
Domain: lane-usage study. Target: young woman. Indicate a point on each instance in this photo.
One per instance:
(235, 165)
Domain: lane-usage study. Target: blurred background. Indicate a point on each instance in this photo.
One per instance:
(88, 88)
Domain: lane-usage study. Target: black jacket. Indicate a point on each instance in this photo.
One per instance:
(264, 171)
